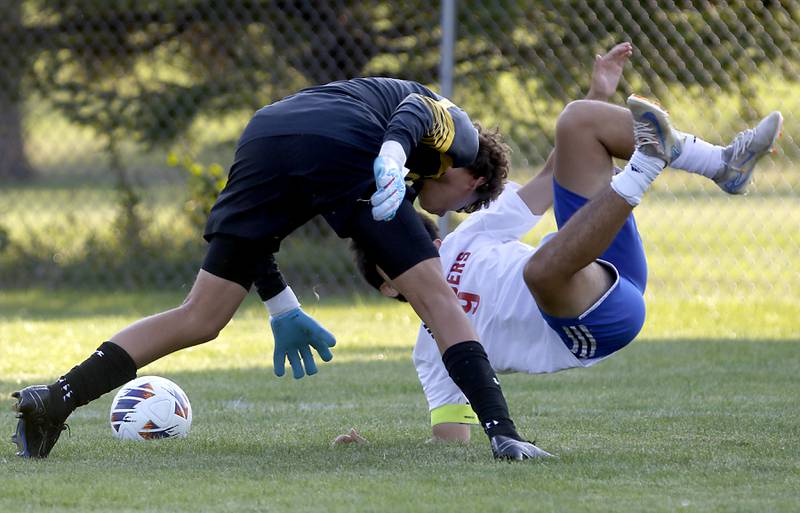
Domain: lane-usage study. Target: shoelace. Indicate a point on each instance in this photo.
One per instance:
(646, 134)
(741, 143)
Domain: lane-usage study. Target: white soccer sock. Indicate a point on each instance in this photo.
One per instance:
(698, 156)
(637, 176)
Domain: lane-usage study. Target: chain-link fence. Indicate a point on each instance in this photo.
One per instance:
(118, 118)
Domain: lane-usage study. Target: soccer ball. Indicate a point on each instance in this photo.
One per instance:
(150, 408)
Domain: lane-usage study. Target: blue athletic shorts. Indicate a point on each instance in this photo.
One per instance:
(617, 317)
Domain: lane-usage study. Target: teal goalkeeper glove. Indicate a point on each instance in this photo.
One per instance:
(295, 333)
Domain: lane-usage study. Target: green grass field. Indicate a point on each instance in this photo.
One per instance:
(672, 423)
(700, 414)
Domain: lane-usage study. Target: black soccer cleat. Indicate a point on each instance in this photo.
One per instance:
(36, 432)
(507, 448)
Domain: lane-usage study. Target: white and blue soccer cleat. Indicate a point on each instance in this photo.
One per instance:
(748, 147)
(652, 132)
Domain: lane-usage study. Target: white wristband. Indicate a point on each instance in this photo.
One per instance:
(282, 302)
(393, 150)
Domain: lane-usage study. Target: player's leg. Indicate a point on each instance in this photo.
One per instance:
(246, 208)
(42, 409)
(465, 359)
(434, 301)
(593, 126)
(403, 249)
(229, 269)
(589, 279)
(563, 275)
(566, 274)
(588, 134)
(730, 167)
(209, 306)
(207, 309)
(564, 279)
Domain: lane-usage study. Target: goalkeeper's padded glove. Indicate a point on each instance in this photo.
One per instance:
(390, 181)
(295, 333)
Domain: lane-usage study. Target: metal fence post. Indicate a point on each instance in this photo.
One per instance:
(446, 72)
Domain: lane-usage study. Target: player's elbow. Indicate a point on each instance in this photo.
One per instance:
(466, 139)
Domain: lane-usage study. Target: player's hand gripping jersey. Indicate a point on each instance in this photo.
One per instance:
(483, 260)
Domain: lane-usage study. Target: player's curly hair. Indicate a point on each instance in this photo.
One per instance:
(492, 163)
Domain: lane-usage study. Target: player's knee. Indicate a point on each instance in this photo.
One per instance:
(574, 117)
(538, 272)
(202, 326)
(207, 335)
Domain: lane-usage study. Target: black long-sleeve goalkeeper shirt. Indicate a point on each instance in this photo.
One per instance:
(364, 112)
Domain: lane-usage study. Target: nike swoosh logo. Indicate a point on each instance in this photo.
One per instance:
(649, 116)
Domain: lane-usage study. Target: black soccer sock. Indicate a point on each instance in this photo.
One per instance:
(106, 369)
(469, 367)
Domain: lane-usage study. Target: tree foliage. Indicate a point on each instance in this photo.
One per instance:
(147, 68)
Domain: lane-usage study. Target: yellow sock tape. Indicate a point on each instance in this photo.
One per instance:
(453, 413)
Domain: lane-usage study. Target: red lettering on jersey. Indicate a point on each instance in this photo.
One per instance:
(457, 268)
(471, 301)
(454, 279)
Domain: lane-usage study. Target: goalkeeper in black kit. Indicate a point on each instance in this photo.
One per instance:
(356, 152)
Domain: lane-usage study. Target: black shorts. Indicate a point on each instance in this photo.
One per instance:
(396, 246)
(238, 260)
(279, 183)
(276, 184)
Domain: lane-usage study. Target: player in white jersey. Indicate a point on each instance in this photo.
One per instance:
(578, 297)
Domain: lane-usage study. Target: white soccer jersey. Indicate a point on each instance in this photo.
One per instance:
(483, 260)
